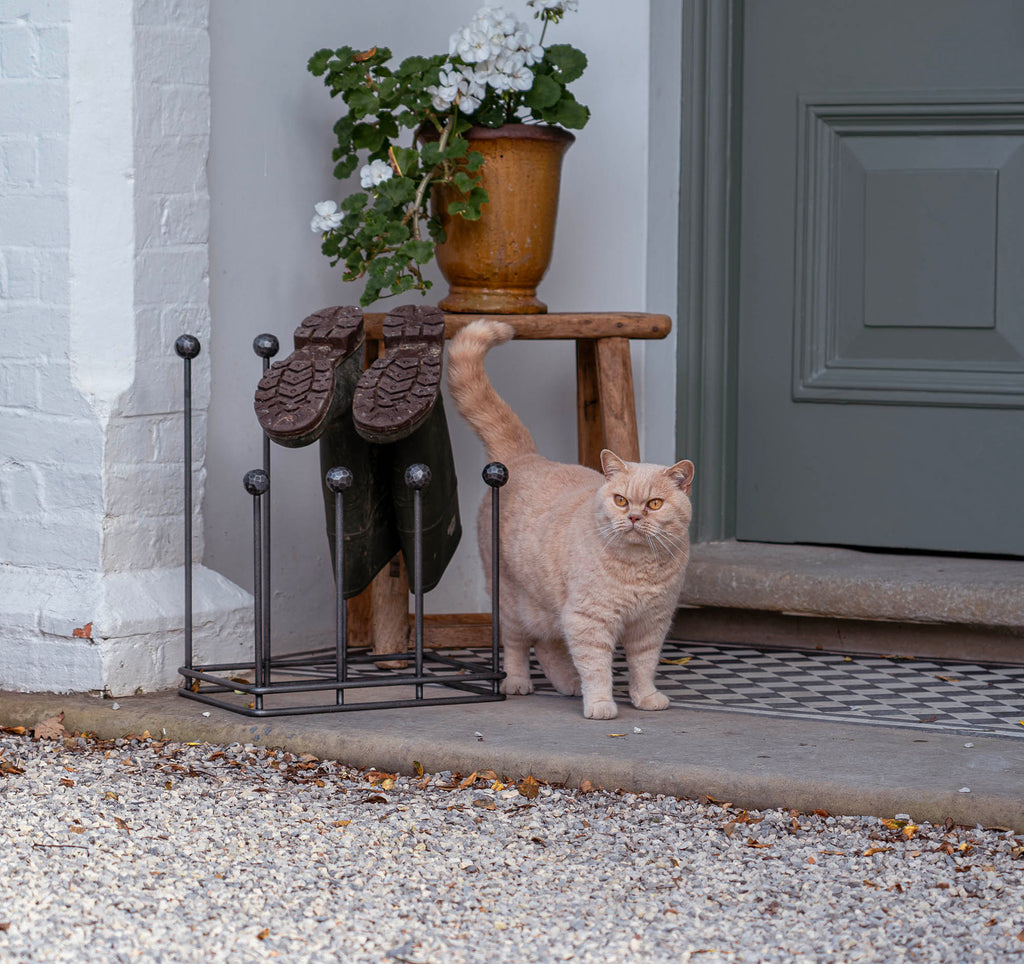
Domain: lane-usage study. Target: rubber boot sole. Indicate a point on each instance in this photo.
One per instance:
(397, 393)
(300, 395)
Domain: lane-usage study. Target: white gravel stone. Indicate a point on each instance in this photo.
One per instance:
(157, 851)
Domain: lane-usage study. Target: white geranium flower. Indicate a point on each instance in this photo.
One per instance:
(474, 81)
(443, 95)
(327, 217)
(374, 173)
(471, 45)
(521, 79)
(558, 7)
(502, 20)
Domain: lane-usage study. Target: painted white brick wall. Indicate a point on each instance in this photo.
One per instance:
(104, 223)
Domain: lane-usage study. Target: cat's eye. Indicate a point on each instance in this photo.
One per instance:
(655, 503)
(621, 501)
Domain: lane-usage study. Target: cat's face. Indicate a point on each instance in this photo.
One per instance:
(642, 504)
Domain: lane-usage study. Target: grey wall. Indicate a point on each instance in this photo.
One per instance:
(270, 161)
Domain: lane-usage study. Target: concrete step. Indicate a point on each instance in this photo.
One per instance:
(848, 600)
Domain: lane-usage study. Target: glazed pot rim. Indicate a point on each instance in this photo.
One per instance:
(536, 132)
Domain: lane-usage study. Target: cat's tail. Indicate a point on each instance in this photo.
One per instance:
(501, 430)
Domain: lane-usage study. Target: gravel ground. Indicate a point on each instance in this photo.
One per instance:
(148, 850)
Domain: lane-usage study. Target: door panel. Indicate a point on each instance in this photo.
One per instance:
(881, 308)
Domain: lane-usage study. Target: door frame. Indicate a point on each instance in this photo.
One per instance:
(709, 223)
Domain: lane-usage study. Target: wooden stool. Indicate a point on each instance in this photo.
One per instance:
(605, 418)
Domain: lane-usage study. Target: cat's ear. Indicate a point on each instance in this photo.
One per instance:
(611, 464)
(682, 474)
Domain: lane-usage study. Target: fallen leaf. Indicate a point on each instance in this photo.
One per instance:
(9, 769)
(927, 719)
(539, 840)
(821, 813)
(682, 661)
(65, 782)
(263, 934)
(497, 785)
(468, 782)
(110, 795)
(586, 787)
(417, 768)
(949, 679)
(364, 55)
(484, 803)
(84, 633)
(51, 728)
(379, 778)
(76, 829)
(487, 775)
(341, 823)
(168, 785)
(5, 925)
(376, 798)
(14, 730)
(124, 826)
(529, 788)
(871, 851)
(909, 830)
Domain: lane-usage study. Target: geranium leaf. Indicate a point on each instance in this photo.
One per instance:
(545, 92)
(567, 61)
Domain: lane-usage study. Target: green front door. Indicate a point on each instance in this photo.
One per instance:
(881, 274)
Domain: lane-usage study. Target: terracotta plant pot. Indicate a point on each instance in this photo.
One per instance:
(493, 265)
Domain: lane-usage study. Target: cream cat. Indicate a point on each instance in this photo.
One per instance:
(588, 560)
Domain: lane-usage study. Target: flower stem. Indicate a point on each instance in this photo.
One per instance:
(421, 191)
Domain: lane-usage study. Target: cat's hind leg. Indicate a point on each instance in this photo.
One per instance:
(554, 659)
(642, 644)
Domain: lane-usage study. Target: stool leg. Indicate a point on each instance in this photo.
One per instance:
(589, 427)
(618, 408)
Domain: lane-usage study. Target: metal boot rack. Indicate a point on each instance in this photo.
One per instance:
(271, 685)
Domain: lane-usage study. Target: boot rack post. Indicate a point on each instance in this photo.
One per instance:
(274, 684)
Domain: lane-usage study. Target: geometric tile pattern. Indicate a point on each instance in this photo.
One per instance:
(967, 698)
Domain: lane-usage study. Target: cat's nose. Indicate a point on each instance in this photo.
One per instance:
(635, 518)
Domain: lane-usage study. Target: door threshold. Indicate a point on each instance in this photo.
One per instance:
(852, 601)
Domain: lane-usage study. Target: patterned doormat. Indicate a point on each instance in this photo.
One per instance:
(966, 698)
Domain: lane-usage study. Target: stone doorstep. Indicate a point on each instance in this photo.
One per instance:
(854, 601)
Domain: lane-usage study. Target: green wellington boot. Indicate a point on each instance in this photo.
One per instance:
(398, 406)
(308, 396)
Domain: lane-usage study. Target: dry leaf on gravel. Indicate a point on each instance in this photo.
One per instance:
(529, 788)
(51, 728)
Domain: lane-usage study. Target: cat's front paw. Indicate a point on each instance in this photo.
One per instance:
(600, 709)
(652, 701)
(517, 686)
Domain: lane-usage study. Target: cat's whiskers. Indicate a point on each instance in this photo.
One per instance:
(667, 542)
